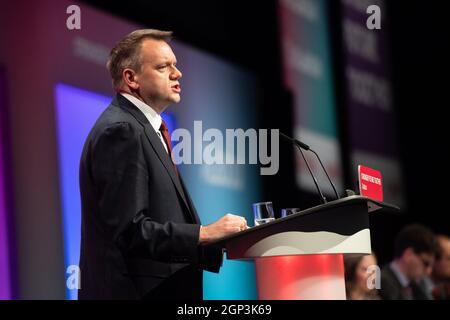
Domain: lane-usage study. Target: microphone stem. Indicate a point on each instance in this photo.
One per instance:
(323, 199)
(331, 182)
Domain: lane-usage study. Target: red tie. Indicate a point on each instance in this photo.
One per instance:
(165, 132)
(166, 136)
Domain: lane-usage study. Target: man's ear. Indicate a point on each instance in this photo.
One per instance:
(129, 78)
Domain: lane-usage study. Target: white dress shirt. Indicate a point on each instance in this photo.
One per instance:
(153, 117)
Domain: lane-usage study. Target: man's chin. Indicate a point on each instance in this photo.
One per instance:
(176, 98)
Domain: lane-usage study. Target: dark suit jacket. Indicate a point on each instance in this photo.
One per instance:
(391, 288)
(140, 229)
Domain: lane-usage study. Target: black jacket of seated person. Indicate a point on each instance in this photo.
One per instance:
(140, 229)
(391, 288)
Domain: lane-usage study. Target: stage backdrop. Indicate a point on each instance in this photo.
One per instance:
(5, 260)
(308, 74)
(369, 98)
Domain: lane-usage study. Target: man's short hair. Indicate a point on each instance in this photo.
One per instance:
(127, 52)
(417, 237)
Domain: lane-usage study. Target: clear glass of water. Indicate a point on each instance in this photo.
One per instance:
(288, 211)
(263, 212)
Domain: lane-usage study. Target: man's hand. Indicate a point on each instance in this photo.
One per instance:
(226, 225)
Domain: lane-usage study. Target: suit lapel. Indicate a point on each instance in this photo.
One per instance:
(164, 157)
(191, 204)
(155, 142)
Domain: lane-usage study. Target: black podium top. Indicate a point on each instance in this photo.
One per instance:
(344, 217)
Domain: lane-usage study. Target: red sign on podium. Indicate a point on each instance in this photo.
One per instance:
(370, 183)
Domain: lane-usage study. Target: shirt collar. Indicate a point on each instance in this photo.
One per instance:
(153, 117)
(400, 275)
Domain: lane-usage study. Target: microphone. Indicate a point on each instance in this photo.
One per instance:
(300, 144)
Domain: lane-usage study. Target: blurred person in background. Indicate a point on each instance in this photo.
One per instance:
(359, 273)
(414, 254)
(440, 277)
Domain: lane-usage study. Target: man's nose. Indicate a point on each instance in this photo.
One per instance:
(176, 74)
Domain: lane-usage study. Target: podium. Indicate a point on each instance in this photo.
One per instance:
(301, 256)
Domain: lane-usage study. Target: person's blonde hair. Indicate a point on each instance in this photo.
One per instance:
(127, 52)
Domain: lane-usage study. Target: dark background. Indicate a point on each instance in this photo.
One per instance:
(247, 33)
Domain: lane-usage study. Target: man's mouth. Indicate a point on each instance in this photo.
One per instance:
(176, 88)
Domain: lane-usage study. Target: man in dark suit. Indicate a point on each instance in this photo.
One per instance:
(415, 247)
(141, 235)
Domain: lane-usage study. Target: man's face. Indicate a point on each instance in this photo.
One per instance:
(159, 77)
(362, 274)
(442, 266)
(420, 265)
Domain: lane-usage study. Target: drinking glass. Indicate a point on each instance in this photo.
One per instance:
(288, 211)
(263, 212)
